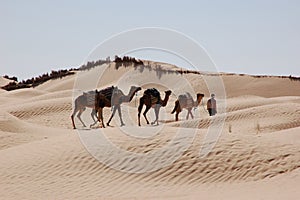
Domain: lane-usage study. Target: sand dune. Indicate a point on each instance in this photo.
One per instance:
(256, 157)
(4, 81)
(65, 83)
(14, 131)
(264, 87)
(65, 170)
(25, 93)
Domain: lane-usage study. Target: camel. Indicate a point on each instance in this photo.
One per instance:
(97, 100)
(87, 99)
(186, 101)
(151, 98)
(115, 100)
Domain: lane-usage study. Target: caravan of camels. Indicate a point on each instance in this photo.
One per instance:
(113, 97)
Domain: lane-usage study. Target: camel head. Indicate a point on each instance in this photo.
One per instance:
(135, 89)
(199, 98)
(165, 101)
(199, 95)
(168, 92)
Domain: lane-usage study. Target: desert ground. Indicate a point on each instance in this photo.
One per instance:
(256, 156)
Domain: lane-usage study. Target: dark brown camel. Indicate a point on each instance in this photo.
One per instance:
(151, 98)
(186, 101)
(97, 100)
(113, 99)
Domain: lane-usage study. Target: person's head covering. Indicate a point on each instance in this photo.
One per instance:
(212, 95)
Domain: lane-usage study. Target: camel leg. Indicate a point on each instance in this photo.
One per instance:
(79, 116)
(93, 124)
(120, 115)
(187, 115)
(175, 107)
(112, 115)
(177, 113)
(140, 110)
(190, 111)
(72, 116)
(76, 109)
(145, 112)
(100, 116)
(94, 114)
(156, 109)
(139, 118)
(157, 114)
(176, 116)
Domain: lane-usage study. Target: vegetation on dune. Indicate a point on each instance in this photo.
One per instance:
(126, 61)
(11, 78)
(33, 82)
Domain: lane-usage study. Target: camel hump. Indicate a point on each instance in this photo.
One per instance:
(154, 95)
(189, 95)
(89, 92)
(107, 92)
(90, 97)
(153, 92)
(186, 96)
(117, 91)
(182, 97)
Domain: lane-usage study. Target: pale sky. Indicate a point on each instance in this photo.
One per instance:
(253, 37)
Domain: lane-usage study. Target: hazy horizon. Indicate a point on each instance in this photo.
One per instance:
(257, 37)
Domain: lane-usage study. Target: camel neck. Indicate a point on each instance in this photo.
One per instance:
(130, 96)
(198, 101)
(165, 101)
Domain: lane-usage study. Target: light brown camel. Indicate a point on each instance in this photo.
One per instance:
(151, 98)
(186, 101)
(97, 100)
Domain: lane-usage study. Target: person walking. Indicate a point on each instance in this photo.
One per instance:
(212, 105)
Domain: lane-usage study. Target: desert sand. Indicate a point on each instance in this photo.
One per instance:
(256, 157)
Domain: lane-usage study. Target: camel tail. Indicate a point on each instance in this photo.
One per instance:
(175, 107)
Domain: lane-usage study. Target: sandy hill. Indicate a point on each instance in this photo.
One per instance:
(257, 155)
(4, 81)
